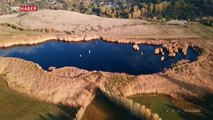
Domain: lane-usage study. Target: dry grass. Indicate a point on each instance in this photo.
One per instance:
(106, 27)
(19, 106)
(50, 87)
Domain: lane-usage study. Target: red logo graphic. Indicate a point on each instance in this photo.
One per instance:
(28, 8)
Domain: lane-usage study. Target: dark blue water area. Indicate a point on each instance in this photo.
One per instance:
(97, 55)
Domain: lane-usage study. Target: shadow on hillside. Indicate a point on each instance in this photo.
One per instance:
(102, 108)
(22, 14)
(187, 86)
(205, 106)
(67, 114)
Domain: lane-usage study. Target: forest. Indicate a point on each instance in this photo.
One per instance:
(152, 10)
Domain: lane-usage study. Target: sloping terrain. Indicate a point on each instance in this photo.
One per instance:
(77, 23)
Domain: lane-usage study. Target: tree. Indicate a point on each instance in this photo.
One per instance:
(127, 10)
(143, 11)
(129, 15)
(144, 5)
(211, 2)
(158, 8)
(151, 8)
(124, 2)
(102, 10)
(165, 5)
(205, 2)
(135, 8)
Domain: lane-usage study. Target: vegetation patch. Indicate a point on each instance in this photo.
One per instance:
(118, 81)
(181, 66)
(170, 109)
(20, 28)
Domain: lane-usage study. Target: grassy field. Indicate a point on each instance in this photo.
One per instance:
(204, 31)
(102, 109)
(14, 106)
(170, 109)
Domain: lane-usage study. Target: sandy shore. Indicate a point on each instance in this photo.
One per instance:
(76, 87)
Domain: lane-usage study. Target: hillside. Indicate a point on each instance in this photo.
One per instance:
(81, 24)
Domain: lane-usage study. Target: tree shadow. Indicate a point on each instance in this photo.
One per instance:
(68, 113)
(108, 109)
(111, 110)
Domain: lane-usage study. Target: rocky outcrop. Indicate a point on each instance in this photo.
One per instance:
(136, 47)
(174, 47)
(157, 51)
(184, 50)
(51, 68)
(162, 58)
(172, 54)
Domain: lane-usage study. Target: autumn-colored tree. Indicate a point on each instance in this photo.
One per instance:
(144, 5)
(135, 8)
(158, 8)
(102, 10)
(134, 15)
(165, 5)
(127, 10)
(143, 11)
(129, 15)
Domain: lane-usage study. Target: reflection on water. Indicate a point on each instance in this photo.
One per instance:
(97, 55)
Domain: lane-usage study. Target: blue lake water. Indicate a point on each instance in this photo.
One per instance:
(97, 55)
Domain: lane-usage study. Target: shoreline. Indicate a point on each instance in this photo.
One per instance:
(76, 87)
(74, 38)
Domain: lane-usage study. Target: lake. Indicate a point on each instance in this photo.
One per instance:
(97, 55)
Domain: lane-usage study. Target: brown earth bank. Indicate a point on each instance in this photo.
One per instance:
(76, 87)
